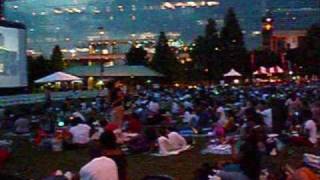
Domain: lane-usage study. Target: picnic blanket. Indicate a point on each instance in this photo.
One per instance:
(221, 149)
(189, 132)
(312, 160)
(176, 152)
(12, 134)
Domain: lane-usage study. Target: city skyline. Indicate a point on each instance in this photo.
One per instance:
(73, 23)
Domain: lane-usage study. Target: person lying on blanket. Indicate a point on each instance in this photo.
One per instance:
(170, 141)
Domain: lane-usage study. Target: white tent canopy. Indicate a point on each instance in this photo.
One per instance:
(261, 71)
(232, 73)
(57, 77)
(276, 70)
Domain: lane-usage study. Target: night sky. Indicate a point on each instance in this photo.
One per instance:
(50, 23)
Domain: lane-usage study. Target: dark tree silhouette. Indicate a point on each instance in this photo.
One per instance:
(137, 56)
(165, 61)
(234, 53)
(57, 63)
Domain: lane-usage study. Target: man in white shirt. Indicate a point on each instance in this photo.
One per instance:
(153, 106)
(175, 108)
(177, 141)
(294, 104)
(267, 117)
(80, 133)
(187, 104)
(22, 125)
(190, 117)
(187, 117)
(77, 114)
(221, 115)
(170, 142)
(101, 168)
(310, 128)
(266, 113)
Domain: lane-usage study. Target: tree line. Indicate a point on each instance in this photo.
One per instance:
(212, 54)
(216, 52)
(40, 66)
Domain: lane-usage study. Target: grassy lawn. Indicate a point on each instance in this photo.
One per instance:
(30, 163)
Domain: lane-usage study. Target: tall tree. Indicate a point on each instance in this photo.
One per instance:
(37, 68)
(233, 48)
(212, 42)
(137, 56)
(306, 58)
(57, 59)
(266, 58)
(165, 61)
(206, 53)
(312, 50)
(211, 32)
(199, 56)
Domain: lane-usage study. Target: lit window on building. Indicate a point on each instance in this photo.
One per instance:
(109, 64)
(105, 51)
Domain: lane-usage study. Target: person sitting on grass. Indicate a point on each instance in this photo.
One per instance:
(80, 134)
(302, 173)
(133, 123)
(310, 129)
(109, 148)
(230, 125)
(39, 134)
(248, 156)
(99, 168)
(218, 131)
(170, 141)
(207, 171)
(144, 142)
(22, 125)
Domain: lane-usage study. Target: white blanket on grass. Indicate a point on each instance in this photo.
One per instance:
(175, 152)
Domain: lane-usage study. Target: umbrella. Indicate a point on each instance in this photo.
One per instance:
(232, 73)
(57, 77)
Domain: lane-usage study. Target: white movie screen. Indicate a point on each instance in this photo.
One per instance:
(12, 57)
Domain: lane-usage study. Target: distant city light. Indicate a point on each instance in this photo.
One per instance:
(192, 4)
(269, 20)
(79, 19)
(256, 32)
(268, 27)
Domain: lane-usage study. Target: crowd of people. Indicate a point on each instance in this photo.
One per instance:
(252, 120)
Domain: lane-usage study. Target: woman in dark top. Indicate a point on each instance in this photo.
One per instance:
(109, 148)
